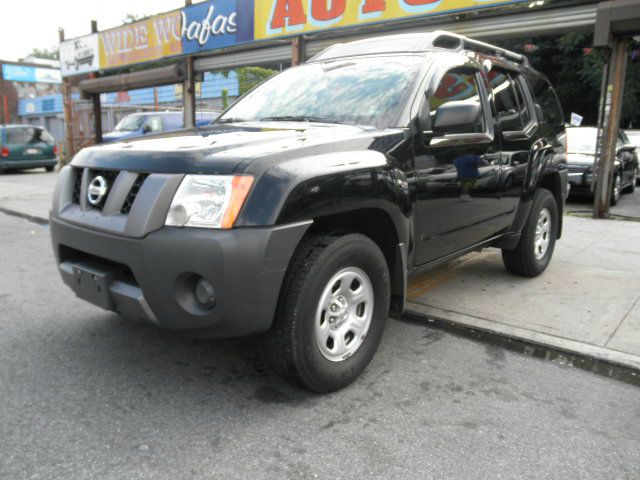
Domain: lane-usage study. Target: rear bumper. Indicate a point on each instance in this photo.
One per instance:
(153, 278)
(19, 164)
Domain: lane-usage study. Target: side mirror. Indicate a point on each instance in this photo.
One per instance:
(146, 129)
(456, 116)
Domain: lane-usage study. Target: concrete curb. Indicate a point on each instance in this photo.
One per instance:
(602, 361)
(26, 216)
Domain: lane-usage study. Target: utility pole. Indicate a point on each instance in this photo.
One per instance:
(189, 95)
(297, 51)
(69, 147)
(97, 107)
(608, 125)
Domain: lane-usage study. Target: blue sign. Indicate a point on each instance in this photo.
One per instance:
(27, 74)
(211, 25)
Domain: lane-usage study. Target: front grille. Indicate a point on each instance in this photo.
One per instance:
(77, 185)
(133, 193)
(110, 177)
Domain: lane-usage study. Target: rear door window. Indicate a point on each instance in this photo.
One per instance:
(507, 108)
(525, 114)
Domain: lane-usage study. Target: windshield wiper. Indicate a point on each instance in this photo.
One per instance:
(230, 120)
(302, 118)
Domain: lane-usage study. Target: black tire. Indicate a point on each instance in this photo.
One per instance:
(631, 188)
(291, 346)
(49, 169)
(615, 197)
(522, 260)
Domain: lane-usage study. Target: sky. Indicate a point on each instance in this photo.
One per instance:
(29, 24)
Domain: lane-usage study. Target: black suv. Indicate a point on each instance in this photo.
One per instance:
(301, 211)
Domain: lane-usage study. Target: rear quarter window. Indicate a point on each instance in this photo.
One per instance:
(545, 97)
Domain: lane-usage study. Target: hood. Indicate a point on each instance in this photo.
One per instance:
(115, 136)
(581, 159)
(234, 148)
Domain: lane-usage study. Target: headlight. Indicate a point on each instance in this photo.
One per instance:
(208, 201)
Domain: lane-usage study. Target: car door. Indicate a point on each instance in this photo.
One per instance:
(153, 124)
(517, 126)
(457, 169)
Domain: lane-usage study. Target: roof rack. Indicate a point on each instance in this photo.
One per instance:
(442, 39)
(416, 42)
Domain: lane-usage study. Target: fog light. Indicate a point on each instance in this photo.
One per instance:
(205, 294)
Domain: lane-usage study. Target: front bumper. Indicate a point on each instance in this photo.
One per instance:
(152, 279)
(580, 180)
(133, 265)
(19, 164)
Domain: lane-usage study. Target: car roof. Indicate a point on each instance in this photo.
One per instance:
(22, 126)
(438, 40)
(146, 114)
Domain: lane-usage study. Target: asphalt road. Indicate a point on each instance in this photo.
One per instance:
(85, 394)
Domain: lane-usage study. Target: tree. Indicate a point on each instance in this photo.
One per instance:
(575, 69)
(249, 77)
(49, 53)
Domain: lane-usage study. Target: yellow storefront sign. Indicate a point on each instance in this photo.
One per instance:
(274, 18)
(151, 39)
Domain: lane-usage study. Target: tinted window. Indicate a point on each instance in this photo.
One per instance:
(545, 97)
(25, 135)
(506, 102)
(457, 86)
(524, 111)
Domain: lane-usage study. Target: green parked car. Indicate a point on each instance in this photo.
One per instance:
(26, 146)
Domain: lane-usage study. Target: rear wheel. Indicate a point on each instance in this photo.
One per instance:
(331, 313)
(617, 189)
(631, 188)
(537, 242)
(49, 169)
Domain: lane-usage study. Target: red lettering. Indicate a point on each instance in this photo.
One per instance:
(322, 13)
(373, 6)
(287, 9)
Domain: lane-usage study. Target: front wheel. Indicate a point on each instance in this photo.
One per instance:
(49, 169)
(537, 242)
(331, 313)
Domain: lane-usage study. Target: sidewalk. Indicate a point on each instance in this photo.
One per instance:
(27, 193)
(587, 302)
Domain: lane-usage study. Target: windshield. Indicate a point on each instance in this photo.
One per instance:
(581, 139)
(634, 137)
(130, 123)
(363, 91)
